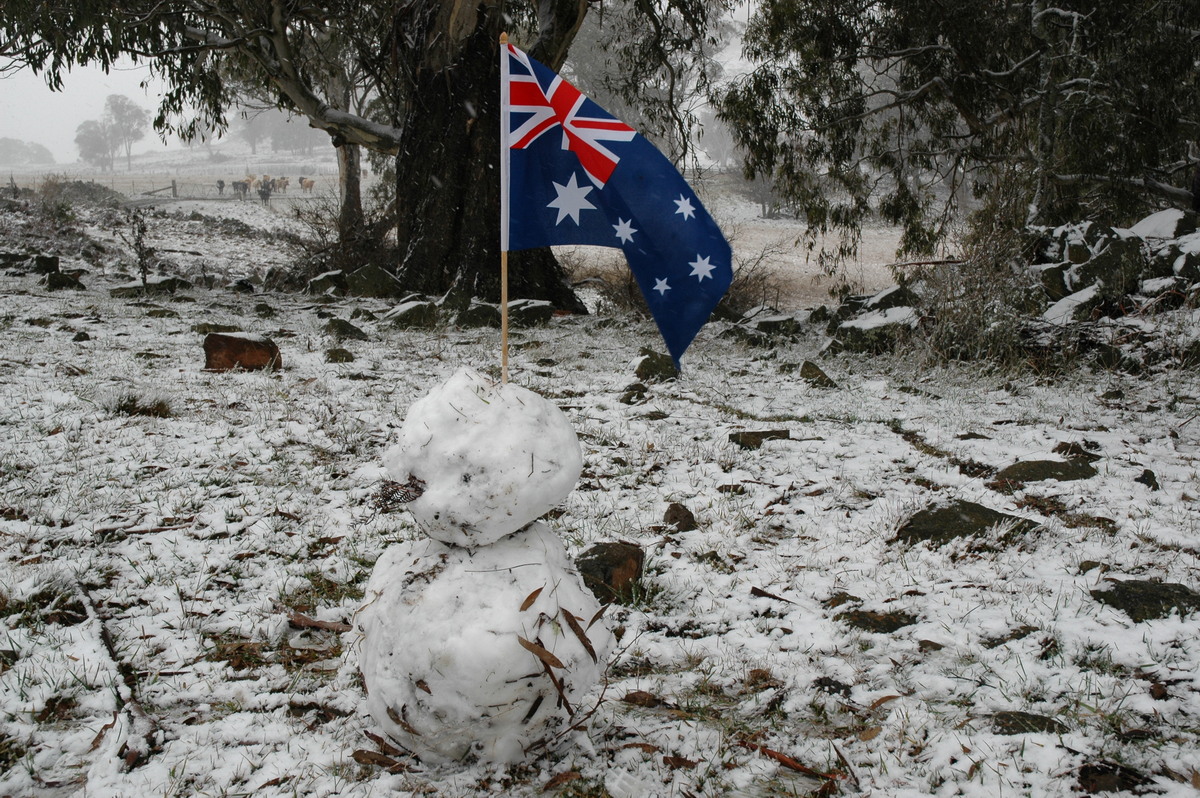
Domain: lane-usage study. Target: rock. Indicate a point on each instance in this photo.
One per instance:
(754, 439)
(479, 314)
(831, 686)
(634, 393)
(613, 571)
(204, 328)
(938, 525)
(81, 336)
(167, 313)
(1148, 479)
(877, 622)
(1026, 723)
(1109, 777)
(529, 313)
(264, 311)
(225, 351)
(655, 367)
(339, 355)
(1117, 268)
(1039, 470)
(1171, 223)
(679, 517)
(1076, 451)
(895, 297)
(331, 283)
(415, 314)
(342, 330)
(44, 264)
(61, 281)
(161, 285)
(1053, 277)
(1143, 600)
(1074, 307)
(242, 286)
(875, 331)
(371, 281)
(362, 313)
(814, 375)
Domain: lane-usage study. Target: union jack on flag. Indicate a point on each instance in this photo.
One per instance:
(571, 173)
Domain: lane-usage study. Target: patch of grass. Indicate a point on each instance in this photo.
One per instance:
(11, 752)
(130, 404)
(321, 591)
(47, 606)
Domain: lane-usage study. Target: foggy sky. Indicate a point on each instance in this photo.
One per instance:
(31, 112)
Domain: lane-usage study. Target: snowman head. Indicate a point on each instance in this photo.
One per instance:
(489, 459)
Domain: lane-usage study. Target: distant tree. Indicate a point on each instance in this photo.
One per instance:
(97, 144)
(1077, 108)
(14, 152)
(127, 123)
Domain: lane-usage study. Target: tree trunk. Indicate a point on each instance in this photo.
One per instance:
(448, 180)
(351, 224)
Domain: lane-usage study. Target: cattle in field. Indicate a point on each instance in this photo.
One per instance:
(307, 184)
(220, 188)
(264, 192)
(240, 188)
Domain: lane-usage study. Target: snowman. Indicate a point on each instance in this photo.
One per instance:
(481, 642)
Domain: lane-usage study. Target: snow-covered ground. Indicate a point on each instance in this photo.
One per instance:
(177, 591)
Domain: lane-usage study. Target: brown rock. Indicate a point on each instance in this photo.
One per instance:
(225, 351)
(612, 571)
(680, 517)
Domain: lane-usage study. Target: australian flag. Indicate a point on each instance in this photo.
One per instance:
(573, 174)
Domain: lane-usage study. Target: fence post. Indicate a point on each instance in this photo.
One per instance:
(174, 190)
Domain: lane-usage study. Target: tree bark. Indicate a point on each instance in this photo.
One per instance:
(448, 176)
(351, 224)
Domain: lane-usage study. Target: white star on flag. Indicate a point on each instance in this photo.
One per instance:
(570, 200)
(661, 286)
(701, 268)
(685, 207)
(625, 230)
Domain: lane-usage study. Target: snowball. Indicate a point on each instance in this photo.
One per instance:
(493, 458)
(446, 673)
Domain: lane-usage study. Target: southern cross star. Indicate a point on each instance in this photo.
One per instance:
(571, 200)
(701, 268)
(685, 207)
(625, 230)
(661, 286)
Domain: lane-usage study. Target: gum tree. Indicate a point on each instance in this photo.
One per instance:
(435, 63)
(906, 107)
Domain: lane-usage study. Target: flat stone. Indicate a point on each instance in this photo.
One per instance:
(342, 330)
(1026, 723)
(226, 351)
(941, 524)
(161, 285)
(814, 375)
(416, 314)
(877, 622)
(529, 312)
(1039, 470)
(1143, 600)
(754, 439)
(339, 355)
(655, 367)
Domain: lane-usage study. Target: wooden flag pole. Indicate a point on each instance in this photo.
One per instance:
(503, 271)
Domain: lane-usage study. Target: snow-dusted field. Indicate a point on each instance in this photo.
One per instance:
(175, 589)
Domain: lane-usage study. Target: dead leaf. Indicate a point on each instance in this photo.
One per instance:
(302, 621)
(532, 597)
(644, 747)
(597, 616)
(578, 630)
(1196, 779)
(870, 734)
(103, 730)
(760, 593)
(421, 685)
(789, 762)
(384, 745)
(541, 653)
(640, 698)
(679, 763)
(364, 757)
(881, 701)
(561, 779)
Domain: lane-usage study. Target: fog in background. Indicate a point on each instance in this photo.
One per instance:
(29, 111)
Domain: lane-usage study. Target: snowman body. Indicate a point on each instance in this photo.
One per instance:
(482, 641)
